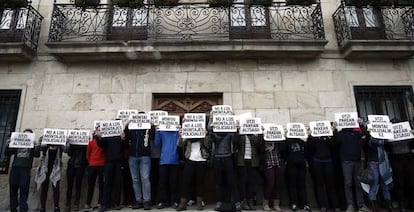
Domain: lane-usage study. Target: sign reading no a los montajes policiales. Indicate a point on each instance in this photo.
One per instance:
(111, 128)
(54, 136)
(78, 137)
(224, 124)
(22, 140)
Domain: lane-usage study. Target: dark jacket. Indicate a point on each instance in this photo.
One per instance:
(348, 141)
(295, 151)
(204, 147)
(401, 149)
(113, 148)
(224, 143)
(138, 147)
(77, 154)
(23, 156)
(319, 148)
(255, 142)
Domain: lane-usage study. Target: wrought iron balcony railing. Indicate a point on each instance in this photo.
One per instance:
(20, 25)
(188, 22)
(374, 23)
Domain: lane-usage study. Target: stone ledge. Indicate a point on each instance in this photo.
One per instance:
(16, 52)
(366, 49)
(185, 50)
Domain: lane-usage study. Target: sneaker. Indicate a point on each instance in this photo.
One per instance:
(160, 205)
(307, 208)
(323, 210)
(191, 202)
(238, 206)
(87, 207)
(117, 207)
(350, 208)
(294, 207)
(175, 205)
(147, 205)
(218, 206)
(363, 208)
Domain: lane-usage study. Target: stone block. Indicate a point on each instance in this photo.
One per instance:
(123, 83)
(209, 87)
(237, 66)
(307, 100)
(330, 112)
(295, 81)
(285, 99)
(105, 83)
(110, 101)
(258, 100)
(13, 80)
(237, 102)
(78, 102)
(86, 83)
(247, 81)
(321, 80)
(278, 65)
(267, 80)
(164, 88)
(211, 66)
(275, 116)
(334, 99)
(35, 120)
(62, 119)
(58, 84)
(137, 101)
(225, 78)
(307, 115)
(85, 119)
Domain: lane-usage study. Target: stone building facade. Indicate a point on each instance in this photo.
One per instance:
(69, 85)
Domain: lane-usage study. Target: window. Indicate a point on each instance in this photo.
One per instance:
(9, 107)
(394, 101)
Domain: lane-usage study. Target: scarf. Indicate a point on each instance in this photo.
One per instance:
(55, 174)
(385, 169)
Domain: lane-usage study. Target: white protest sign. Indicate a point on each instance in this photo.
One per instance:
(22, 140)
(296, 130)
(78, 137)
(346, 120)
(54, 136)
(250, 126)
(154, 115)
(124, 114)
(402, 131)
(195, 117)
(380, 127)
(139, 121)
(168, 123)
(222, 110)
(224, 124)
(320, 128)
(111, 128)
(273, 132)
(193, 130)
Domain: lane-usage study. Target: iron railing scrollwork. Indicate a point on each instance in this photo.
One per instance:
(20, 25)
(189, 22)
(373, 23)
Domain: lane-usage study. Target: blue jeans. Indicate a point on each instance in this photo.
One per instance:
(140, 173)
(372, 195)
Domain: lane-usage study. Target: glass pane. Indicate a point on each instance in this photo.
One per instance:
(22, 19)
(258, 16)
(140, 17)
(120, 17)
(371, 19)
(238, 15)
(6, 19)
(352, 17)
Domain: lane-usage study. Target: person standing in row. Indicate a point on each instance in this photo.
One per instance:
(140, 166)
(274, 169)
(96, 160)
(19, 179)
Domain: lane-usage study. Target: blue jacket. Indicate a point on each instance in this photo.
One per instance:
(169, 146)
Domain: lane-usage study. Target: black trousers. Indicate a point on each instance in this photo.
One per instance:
(168, 183)
(247, 180)
(403, 171)
(296, 184)
(45, 188)
(226, 180)
(324, 185)
(19, 181)
(74, 176)
(112, 184)
(154, 177)
(193, 178)
(93, 173)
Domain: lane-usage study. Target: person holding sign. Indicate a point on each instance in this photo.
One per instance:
(76, 168)
(296, 174)
(247, 167)
(401, 153)
(197, 151)
(140, 165)
(381, 171)
(113, 148)
(19, 179)
(96, 160)
(50, 169)
(169, 164)
(225, 146)
(321, 165)
(348, 141)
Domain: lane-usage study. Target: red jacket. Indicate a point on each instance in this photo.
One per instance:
(95, 154)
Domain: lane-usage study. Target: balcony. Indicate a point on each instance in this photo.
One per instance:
(186, 31)
(19, 33)
(375, 32)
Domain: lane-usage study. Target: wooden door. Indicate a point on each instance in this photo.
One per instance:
(179, 104)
